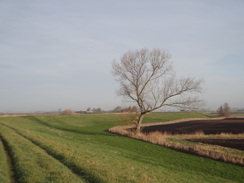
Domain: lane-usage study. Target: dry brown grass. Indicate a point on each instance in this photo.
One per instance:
(201, 134)
(68, 112)
(12, 115)
(179, 143)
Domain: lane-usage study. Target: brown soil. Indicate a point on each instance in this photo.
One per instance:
(228, 125)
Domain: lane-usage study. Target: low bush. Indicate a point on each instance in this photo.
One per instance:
(68, 112)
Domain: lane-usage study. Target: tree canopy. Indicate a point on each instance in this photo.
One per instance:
(147, 78)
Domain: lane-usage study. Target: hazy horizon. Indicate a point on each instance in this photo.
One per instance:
(58, 54)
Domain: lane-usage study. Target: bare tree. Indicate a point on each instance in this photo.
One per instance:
(147, 78)
(220, 111)
(224, 110)
(117, 109)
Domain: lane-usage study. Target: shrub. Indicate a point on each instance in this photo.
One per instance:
(68, 112)
(224, 110)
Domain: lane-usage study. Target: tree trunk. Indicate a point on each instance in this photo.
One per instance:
(139, 121)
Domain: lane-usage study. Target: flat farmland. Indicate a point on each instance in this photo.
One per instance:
(208, 127)
(79, 148)
(227, 125)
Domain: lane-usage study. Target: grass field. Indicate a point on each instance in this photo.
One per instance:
(78, 148)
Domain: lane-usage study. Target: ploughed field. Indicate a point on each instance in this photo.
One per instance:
(232, 143)
(208, 127)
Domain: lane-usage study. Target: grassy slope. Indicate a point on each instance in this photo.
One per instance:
(4, 167)
(31, 163)
(82, 141)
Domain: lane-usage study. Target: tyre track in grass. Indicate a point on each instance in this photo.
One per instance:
(9, 158)
(79, 171)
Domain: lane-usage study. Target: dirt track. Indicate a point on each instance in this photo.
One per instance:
(229, 125)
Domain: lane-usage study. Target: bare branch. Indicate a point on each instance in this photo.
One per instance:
(147, 78)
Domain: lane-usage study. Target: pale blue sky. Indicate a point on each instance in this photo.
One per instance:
(58, 53)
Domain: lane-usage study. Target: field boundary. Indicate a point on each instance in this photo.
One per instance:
(161, 139)
(162, 123)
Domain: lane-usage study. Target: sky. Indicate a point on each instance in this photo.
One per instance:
(57, 54)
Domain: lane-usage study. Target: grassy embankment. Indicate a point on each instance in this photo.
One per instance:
(57, 148)
(181, 141)
(5, 171)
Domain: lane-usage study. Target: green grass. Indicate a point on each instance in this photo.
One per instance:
(80, 148)
(4, 164)
(169, 116)
(31, 163)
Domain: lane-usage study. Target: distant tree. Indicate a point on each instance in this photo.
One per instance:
(134, 109)
(130, 109)
(97, 110)
(220, 111)
(146, 77)
(88, 109)
(224, 110)
(117, 109)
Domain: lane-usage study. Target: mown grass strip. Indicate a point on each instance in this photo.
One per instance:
(80, 171)
(32, 164)
(6, 170)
